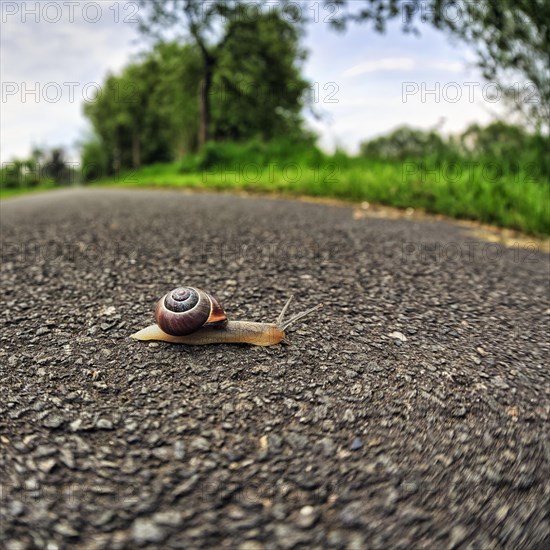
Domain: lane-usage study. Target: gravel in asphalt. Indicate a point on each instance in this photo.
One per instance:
(410, 412)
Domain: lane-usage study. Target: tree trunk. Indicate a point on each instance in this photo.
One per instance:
(136, 149)
(117, 154)
(204, 102)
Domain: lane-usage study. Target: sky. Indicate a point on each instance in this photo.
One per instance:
(55, 54)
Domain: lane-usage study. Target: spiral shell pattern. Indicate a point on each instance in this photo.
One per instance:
(184, 310)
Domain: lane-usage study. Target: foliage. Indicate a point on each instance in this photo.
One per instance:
(150, 112)
(221, 37)
(511, 39)
(94, 160)
(142, 116)
(175, 96)
(506, 147)
(42, 167)
(55, 168)
(241, 156)
(258, 88)
(404, 143)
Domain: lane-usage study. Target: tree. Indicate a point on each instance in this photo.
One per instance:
(41, 167)
(174, 97)
(94, 159)
(211, 26)
(497, 147)
(406, 143)
(258, 87)
(150, 111)
(133, 116)
(498, 140)
(511, 145)
(57, 168)
(511, 37)
(198, 19)
(109, 120)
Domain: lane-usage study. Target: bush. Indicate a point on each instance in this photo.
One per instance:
(231, 155)
(407, 143)
(94, 161)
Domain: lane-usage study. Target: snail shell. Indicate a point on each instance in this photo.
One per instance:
(185, 310)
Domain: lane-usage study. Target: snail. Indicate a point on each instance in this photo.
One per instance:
(191, 316)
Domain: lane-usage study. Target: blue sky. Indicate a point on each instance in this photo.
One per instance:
(366, 84)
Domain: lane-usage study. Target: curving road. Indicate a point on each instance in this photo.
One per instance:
(411, 412)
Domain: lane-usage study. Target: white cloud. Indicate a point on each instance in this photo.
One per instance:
(453, 67)
(388, 64)
(402, 64)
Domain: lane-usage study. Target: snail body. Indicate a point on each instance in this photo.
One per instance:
(231, 332)
(191, 316)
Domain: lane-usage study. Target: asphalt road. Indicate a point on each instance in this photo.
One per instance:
(411, 412)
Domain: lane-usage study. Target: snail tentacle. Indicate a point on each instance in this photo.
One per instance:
(285, 324)
(281, 316)
(299, 316)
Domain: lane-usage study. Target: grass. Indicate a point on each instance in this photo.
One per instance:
(486, 191)
(8, 193)
(458, 189)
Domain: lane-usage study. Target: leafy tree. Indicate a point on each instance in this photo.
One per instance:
(258, 87)
(197, 18)
(511, 38)
(406, 143)
(94, 159)
(109, 118)
(130, 116)
(497, 140)
(12, 175)
(511, 146)
(41, 166)
(174, 97)
(213, 27)
(498, 146)
(151, 111)
(56, 168)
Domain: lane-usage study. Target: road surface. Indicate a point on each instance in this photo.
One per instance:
(411, 412)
